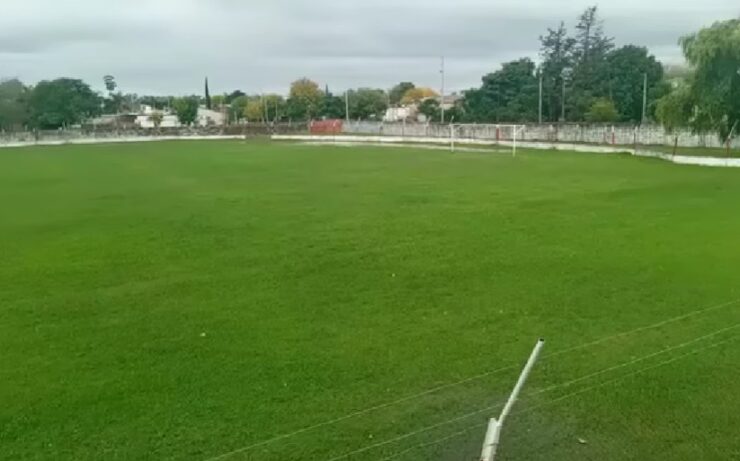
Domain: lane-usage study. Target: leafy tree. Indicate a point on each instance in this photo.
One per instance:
(13, 104)
(417, 95)
(367, 103)
(304, 101)
(110, 83)
(397, 92)
(157, 102)
(714, 52)
(186, 109)
(238, 107)
(274, 106)
(156, 118)
(602, 110)
(556, 52)
(629, 65)
(233, 95)
(62, 102)
(208, 96)
(332, 107)
(507, 95)
(674, 109)
(218, 100)
(590, 76)
(430, 108)
(254, 110)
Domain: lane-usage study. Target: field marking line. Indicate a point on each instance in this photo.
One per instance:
(434, 442)
(542, 391)
(465, 381)
(636, 360)
(564, 397)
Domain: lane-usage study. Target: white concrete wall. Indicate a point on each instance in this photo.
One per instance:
(591, 134)
(679, 159)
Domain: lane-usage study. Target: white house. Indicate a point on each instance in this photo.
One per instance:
(205, 117)
(399, 114)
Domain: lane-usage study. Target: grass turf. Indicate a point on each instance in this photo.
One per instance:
(183, 300)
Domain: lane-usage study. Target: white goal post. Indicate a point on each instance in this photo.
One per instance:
(461, 133)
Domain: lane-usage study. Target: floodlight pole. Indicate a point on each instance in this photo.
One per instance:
(644, 98)
(490, 444)
(346, 105)
(540, 102)
(442, 96)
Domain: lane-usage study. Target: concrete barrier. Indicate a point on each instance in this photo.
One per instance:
(112, 140)
(678, 159)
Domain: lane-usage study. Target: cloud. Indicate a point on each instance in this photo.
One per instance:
(169, 46)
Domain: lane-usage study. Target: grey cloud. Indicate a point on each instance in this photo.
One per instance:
(169, 46)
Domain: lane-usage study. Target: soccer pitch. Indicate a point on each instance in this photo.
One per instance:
(258, 301)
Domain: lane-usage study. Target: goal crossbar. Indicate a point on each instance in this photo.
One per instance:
(493, 133)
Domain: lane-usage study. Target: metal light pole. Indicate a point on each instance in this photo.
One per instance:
(346, 105)
(540, 106)
(644, 100)
(442, 95)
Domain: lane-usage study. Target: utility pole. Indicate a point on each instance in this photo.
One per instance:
(644, 100)
(562, 103)
(540, 107)
(442, 95)
(346, 105)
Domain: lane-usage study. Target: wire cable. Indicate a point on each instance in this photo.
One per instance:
(465, 381)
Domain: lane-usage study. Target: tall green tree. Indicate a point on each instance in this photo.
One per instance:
(332, 107)
(208, 96)
(591, 73)
(62, 102)
(186, 109)
(237, 108)
(507, 95)
(304, 100)
(367, 103)
(556, 52)
(628, 67)
(431, 109)
(397, 92)
(602, 110)
(110, 83)
(714, 52)
(233, 95)
(13, 104)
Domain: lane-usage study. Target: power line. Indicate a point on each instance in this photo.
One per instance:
(564, 397)
(467, 380)
(531, 394)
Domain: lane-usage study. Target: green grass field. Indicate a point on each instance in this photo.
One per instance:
(187, 300)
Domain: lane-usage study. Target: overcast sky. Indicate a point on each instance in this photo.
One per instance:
(169, 46)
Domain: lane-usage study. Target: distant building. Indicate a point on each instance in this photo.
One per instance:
(205, 117)
(399, 114)
(208, 117)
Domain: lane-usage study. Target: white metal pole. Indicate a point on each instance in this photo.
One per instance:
(452, 137)
(442, 96)
(493, 434)
(346, 105)
(540, 104)
(644, 100)
(513, 154)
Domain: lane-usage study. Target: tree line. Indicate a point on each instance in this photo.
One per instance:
(581, 77)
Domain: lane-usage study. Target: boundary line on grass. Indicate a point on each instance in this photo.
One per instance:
(562, 398)
(467, 380)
